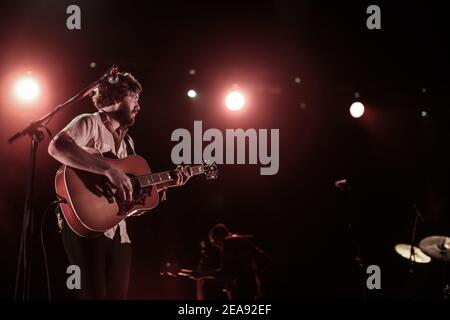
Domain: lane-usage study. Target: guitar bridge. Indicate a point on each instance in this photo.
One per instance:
(142, 193)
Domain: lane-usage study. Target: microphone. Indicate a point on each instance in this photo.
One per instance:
(340, 184)
(113, 75)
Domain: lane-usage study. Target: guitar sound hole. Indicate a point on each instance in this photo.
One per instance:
(136, 187)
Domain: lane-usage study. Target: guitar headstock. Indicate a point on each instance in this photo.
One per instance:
(210, 170)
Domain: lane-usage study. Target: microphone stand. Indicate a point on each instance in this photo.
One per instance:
(344, 186)
(34, 131)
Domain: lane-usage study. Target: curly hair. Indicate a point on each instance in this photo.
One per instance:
(109, 93)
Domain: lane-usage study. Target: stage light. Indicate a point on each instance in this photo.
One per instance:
(192, 94)
(26, 89)
(424, 114)
(357, 109)
(235, 101)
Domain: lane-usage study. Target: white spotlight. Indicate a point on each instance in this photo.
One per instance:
(357, 109)
(26, 89)
(235, 101)
(192, 94)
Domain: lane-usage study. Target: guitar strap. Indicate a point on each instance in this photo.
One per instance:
(130, 149)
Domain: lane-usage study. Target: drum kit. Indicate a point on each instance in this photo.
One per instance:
(430, 248)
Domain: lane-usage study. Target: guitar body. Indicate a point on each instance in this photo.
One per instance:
(91, 207)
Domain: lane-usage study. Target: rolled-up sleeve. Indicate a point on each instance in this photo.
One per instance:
(80, 129)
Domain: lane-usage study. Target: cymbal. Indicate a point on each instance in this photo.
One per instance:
(404, 250)
(437, 247)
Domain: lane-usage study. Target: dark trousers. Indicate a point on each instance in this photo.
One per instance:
(104, 263)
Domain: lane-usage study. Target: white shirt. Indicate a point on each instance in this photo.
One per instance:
(89, 132)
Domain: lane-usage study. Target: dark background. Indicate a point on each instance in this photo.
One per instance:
(393, 156)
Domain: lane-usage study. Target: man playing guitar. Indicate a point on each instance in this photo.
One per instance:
(105, 260)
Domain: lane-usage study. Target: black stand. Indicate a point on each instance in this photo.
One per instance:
(444, 261)
(412, 256)
(23, 272)
(200, 283)
(344, 186)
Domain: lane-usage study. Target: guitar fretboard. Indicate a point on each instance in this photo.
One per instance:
(166, 176)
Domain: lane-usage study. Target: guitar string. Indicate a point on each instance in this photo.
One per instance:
(137, 178)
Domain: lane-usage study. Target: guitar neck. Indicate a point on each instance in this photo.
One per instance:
(166, 176)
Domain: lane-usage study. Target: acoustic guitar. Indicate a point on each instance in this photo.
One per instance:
(90, 206)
